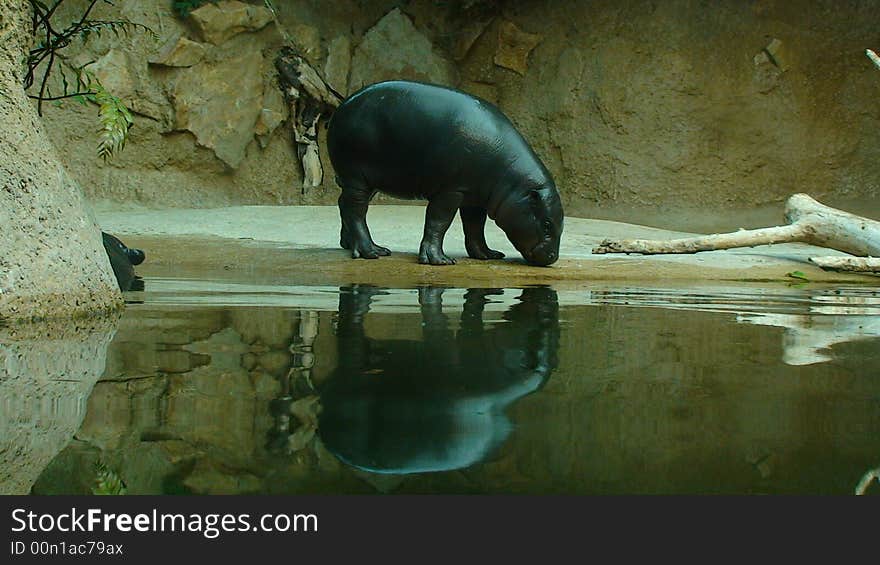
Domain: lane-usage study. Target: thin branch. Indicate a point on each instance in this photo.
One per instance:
(85, 14)
(63, 96)
(43, 84)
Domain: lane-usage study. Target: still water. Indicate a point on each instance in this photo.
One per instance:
(211, 387)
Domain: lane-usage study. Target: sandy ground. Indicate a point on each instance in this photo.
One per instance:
(300, 244)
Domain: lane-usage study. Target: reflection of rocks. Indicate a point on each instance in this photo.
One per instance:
(178, 411)
(210, 477)
(395, 49)
(45, 380)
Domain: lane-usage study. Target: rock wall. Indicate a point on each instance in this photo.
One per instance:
(636, 107)
(52, 260)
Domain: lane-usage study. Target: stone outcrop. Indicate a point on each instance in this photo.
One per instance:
(123, 75)
(179, 52)
(338, 64)
(220, 103)
(273, 113)
(217, 22)
(52, 260)
(514, 46)
(395, 49)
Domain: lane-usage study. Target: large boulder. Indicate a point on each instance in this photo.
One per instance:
(220, 103)
(179, 51)
(125, 77)
(395, 49)
(338, 64)
(514, 46)
(217, 22)
(52, 259)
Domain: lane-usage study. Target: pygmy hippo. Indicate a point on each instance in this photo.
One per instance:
(122, 260)
(414, 140)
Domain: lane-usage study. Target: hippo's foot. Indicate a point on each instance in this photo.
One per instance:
(361, 249)
(368, 251)
(344, 238)
(433, 255)
(484, 253)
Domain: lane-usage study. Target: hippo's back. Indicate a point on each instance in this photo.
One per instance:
(413, 139)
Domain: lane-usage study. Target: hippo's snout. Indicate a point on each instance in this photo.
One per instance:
(136, 256)
(543, 254)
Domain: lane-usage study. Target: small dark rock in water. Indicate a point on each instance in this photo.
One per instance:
(123, 259)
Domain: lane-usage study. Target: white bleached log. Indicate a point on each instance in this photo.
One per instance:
(808, 222)
(851, 264)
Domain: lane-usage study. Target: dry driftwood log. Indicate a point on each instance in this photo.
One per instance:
(852, 264)
(308, 97)
(808, 222)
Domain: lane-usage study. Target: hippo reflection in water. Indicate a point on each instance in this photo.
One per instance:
(434, 404)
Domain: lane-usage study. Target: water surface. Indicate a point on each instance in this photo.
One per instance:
(212, 387)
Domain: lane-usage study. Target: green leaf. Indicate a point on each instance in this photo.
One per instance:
(114, 117)
(107, 482)
(797, 275)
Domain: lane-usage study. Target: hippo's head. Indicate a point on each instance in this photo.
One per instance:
(136, 256)
(532, 219)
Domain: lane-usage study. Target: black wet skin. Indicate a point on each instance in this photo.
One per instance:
(460, 153)
(122, 260)
(438, 402)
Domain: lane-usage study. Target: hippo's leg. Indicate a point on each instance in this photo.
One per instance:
(438, 218)
(473, 220)
(355, 235)
(352, 341)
